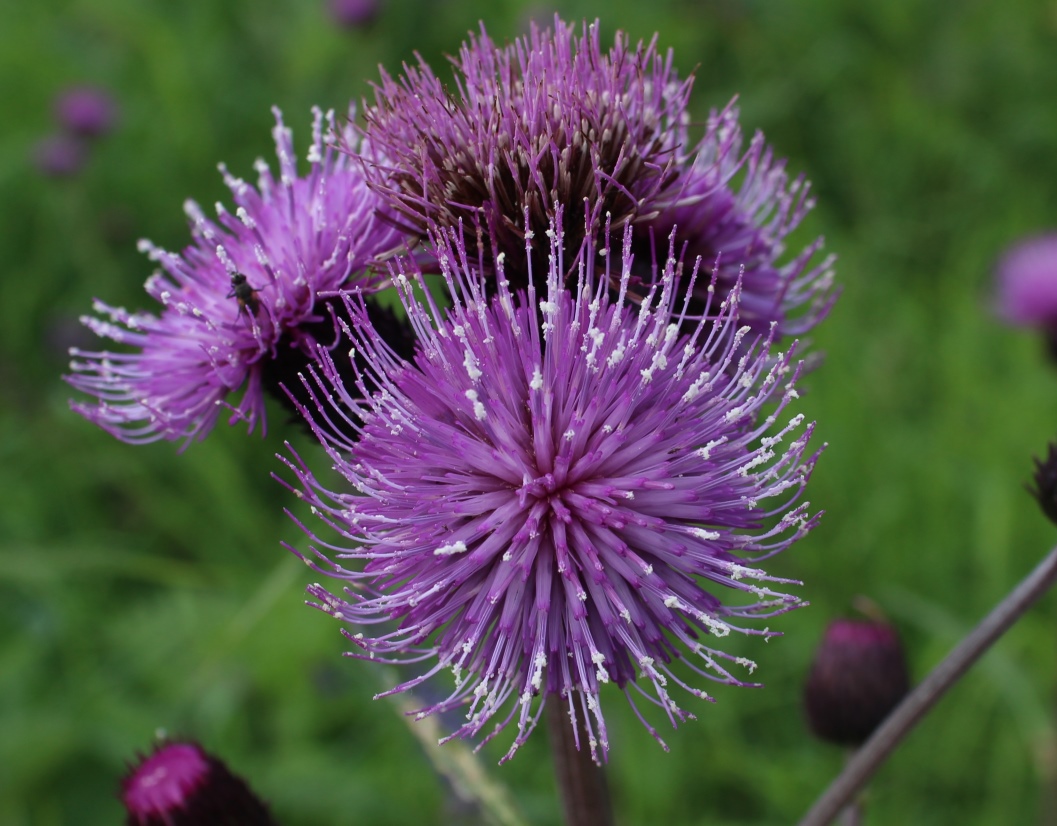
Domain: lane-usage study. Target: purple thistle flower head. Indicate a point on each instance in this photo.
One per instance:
(564, 490)
(242, 303)
(181, 784)
(86, 110)
(553, 119)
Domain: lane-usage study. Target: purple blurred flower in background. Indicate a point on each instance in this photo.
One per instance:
(353, 14)
(1026, 282)
(565, 489)
(553, 119)
(181, 784)
(59, 156)
(88, 111)
(242, 301)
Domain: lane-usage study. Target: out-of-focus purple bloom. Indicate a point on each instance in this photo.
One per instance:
(858, 676)
(59, 156)
(181, 784)
(565, 489)
(242, 301)
(353, 14)
(554, 120)
(1027, 283)
(86, 110)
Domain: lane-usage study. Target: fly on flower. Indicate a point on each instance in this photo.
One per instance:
(244, 294)
(563, 490)
(304, 236)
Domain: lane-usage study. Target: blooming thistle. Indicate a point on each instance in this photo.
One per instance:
(549, 120)
(550, 497)
(242, 302)
(554, 120)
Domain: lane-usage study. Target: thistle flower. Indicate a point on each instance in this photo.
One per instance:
(549, 120)
(554, 120)
(562, 491)
(242, 302)
(181, 784)
(858, 676)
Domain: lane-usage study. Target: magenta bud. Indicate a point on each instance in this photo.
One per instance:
(858, 676)
(181, 784)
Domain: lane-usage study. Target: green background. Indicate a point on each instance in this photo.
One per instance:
(143, 589)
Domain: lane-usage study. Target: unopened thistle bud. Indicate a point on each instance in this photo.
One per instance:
(181, 784)
(859, 675)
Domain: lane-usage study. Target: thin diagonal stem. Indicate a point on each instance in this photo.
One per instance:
(585, 795)
(918, 703)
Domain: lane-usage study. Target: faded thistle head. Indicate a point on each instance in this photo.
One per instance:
(555, 120)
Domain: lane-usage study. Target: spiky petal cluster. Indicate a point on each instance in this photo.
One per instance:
(736, 209)
(562, 491)
(243, 295)
(553, 120)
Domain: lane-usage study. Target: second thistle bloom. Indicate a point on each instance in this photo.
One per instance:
(564, 490)
(241, 301)
(553, 121)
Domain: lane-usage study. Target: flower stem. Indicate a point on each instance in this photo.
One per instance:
(918, 703)
(582, 782)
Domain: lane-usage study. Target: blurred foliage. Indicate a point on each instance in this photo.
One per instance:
(141, 588)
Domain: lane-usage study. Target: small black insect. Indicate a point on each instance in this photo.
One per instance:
(244, 294)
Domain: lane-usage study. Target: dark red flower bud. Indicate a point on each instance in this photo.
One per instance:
(181, 784)
(859, 675)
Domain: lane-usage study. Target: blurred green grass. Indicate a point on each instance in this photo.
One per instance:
(141, 589)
